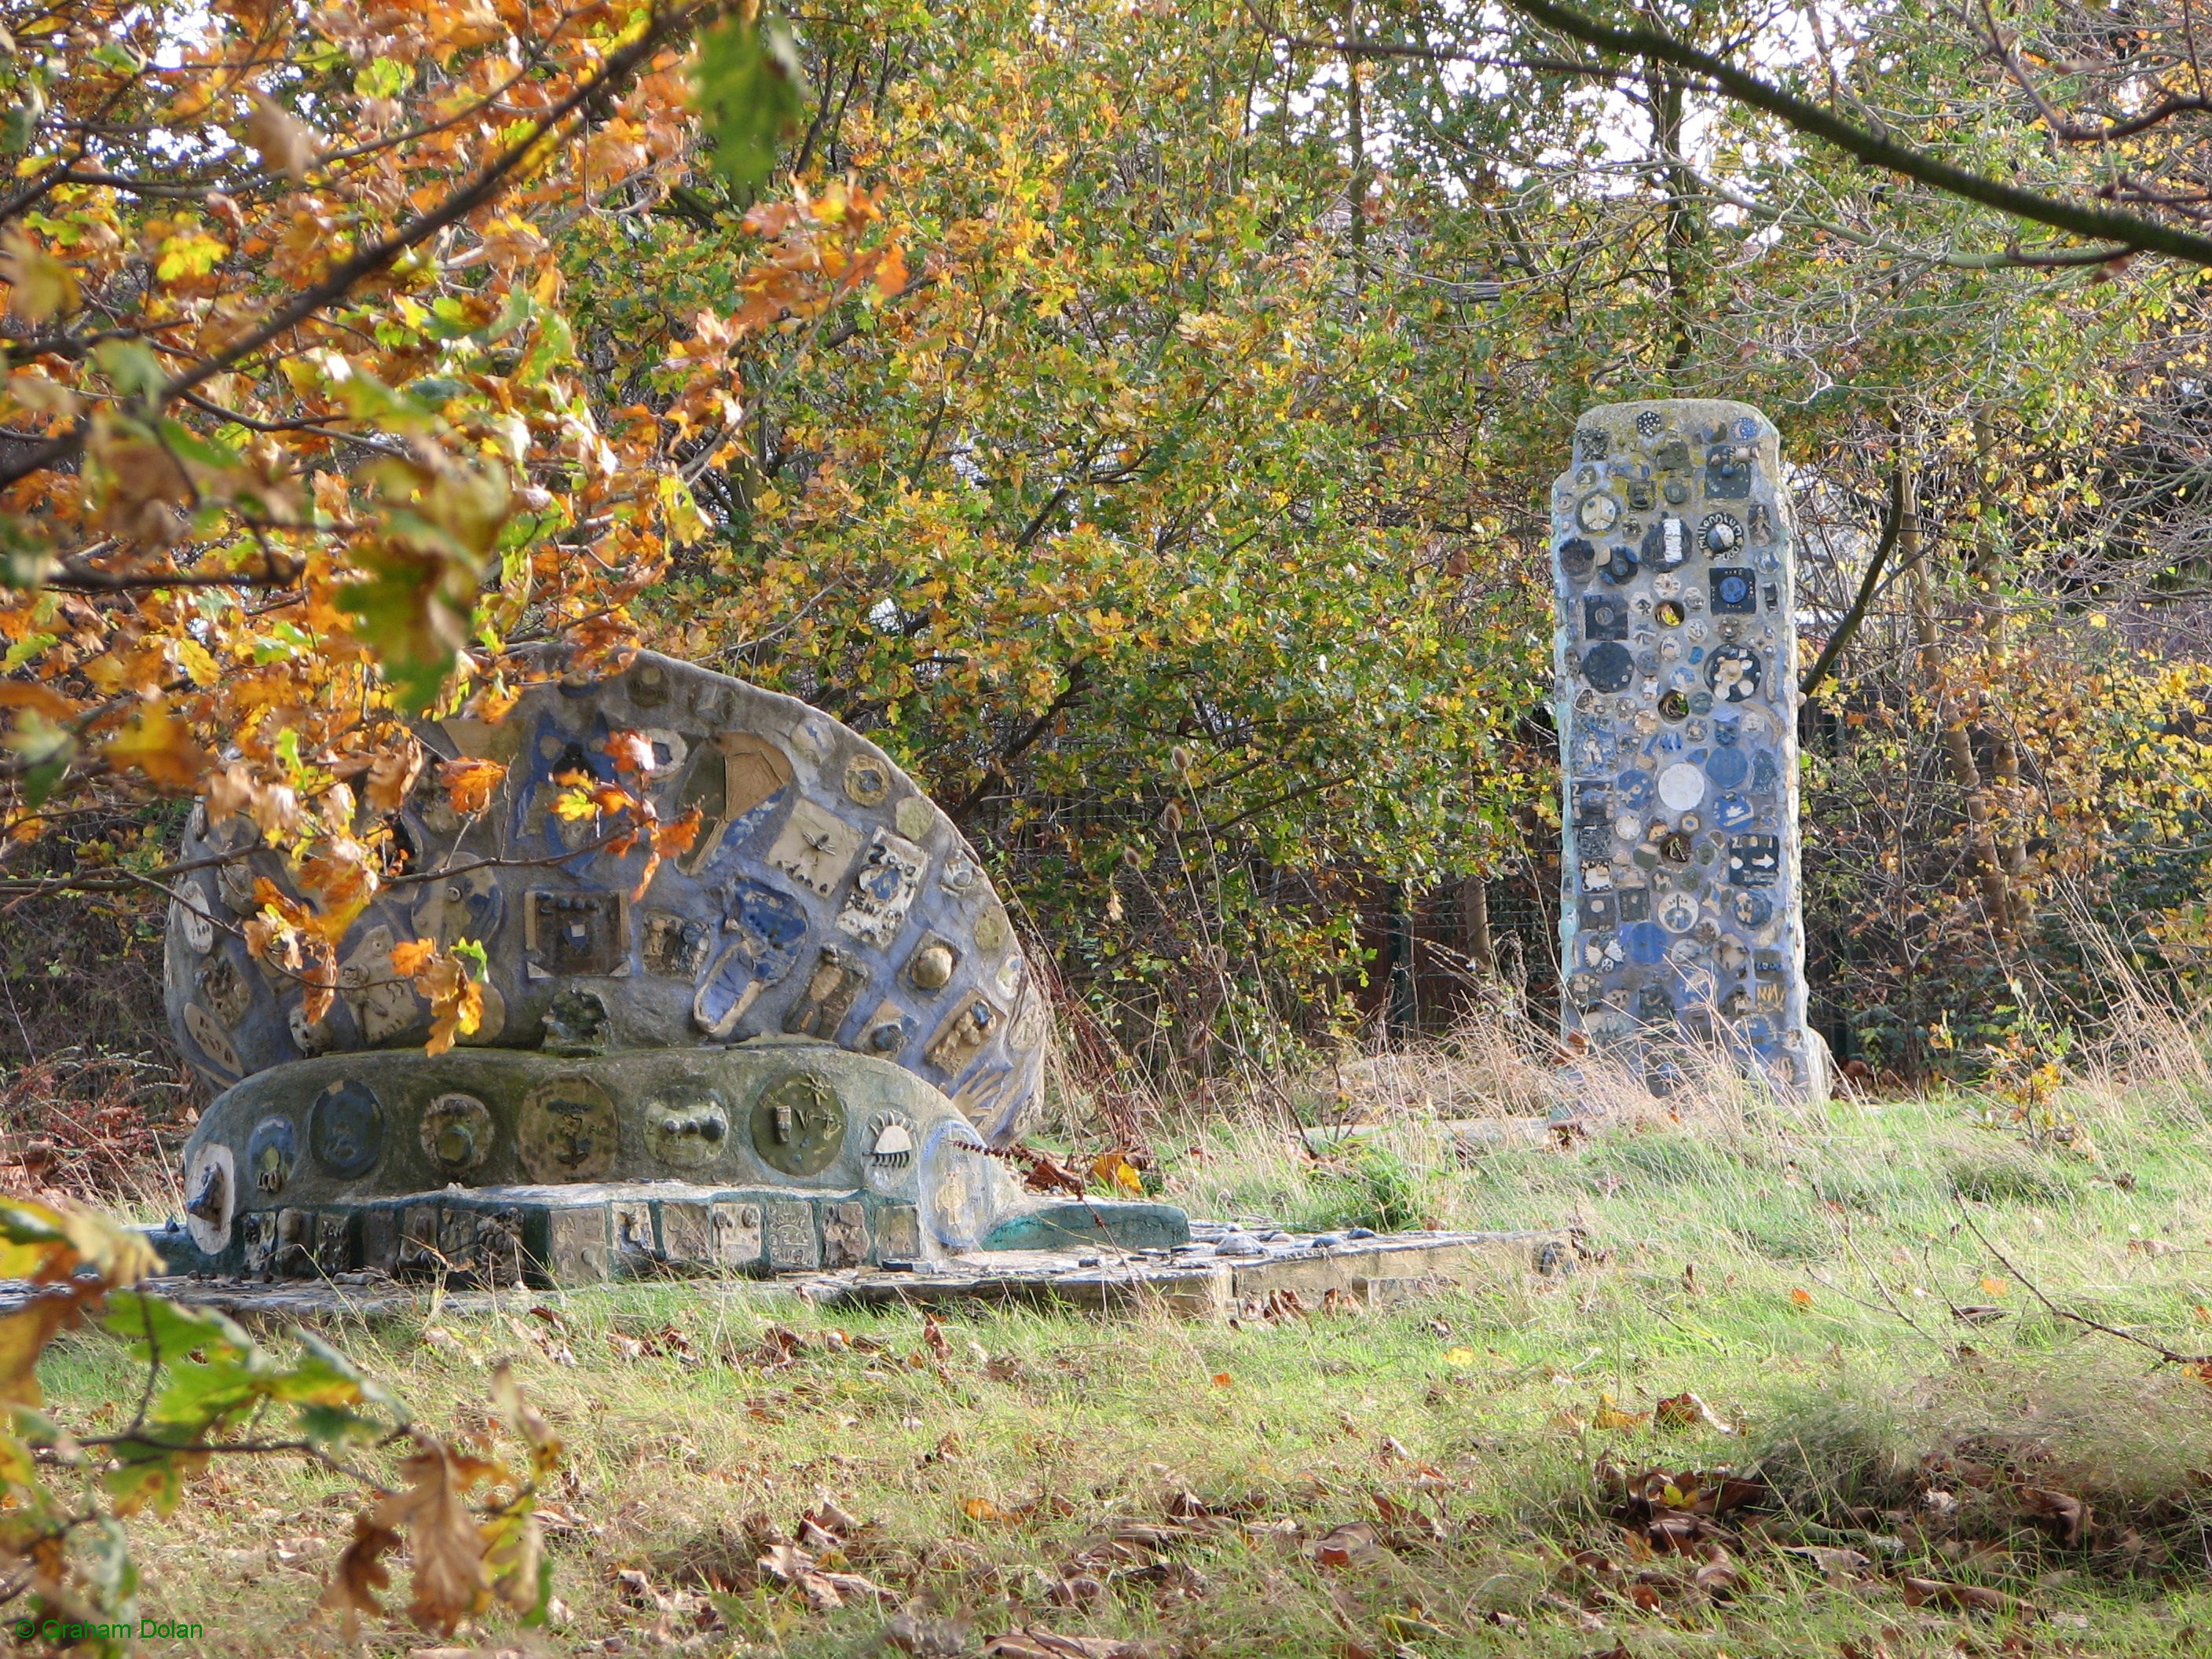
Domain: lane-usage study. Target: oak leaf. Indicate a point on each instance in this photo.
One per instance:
(160, 746)
(452, 1581)
(469, 784)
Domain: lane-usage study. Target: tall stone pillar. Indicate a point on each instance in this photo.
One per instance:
(1680, 920)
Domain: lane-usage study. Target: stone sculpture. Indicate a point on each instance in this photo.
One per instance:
(1681, 922)
(799, 1045)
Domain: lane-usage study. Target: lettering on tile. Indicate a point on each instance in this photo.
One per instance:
(793, 1246)
(883, 889)
(798, 1124)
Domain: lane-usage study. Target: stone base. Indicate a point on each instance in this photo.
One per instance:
(593, 1231)
(1217, 1275)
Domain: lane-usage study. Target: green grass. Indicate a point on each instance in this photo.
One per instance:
(1823, 1253)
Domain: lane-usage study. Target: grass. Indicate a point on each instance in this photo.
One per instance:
(1190, 1487)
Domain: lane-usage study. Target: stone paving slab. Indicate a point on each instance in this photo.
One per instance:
(1223, 1272)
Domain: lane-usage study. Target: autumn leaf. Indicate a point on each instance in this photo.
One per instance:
(40, 286)
(452, 981)
(631, 751)
(1800, 1297)
(469, 784)
(1610, 1416)
(159, 746)
(443, 1542)
(1688, 1411)
(392, 772)
(285, 143)
(361, 1573)
(24, 1335)
(413, 613)
(1960, 1598)
(1115, 1168)
(338, 873)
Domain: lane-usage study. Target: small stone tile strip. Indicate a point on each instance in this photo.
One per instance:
(1224, 1271)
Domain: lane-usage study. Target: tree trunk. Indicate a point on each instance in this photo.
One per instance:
(1664, 89)
(1950, 715)
(1474, 926)
(2004, 747)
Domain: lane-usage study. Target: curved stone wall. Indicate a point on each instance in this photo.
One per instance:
(826, 899)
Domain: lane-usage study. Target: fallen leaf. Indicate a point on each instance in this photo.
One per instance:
(1027, 1641)
(1718, 1576)
(1837, 1563)
(929, 1638)
(2071, 1514)
(1800, 1297)
(1343, 1544)
(1688, 1411)
(1610, 1416)
(1977, 1599)
(1222, 1379)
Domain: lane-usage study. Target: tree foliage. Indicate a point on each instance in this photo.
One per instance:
(211, 1391)
(1136, 419)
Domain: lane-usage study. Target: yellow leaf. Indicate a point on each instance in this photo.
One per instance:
(40, 285)
(1994, 1286)
(158, 744)
(1610, 1416)
(411, 957)
(24, 1334)
(1461, 1357)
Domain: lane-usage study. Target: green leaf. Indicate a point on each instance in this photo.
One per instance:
(749, 87)
(145, 1473)
(414, 613)
(334, 1425)
(131, 365)
(157, 1327)
(323, 1376)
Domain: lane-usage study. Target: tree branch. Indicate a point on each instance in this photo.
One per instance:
(1893, 522)
(1872, 149)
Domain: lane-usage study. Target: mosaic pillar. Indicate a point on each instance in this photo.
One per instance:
(1681, 921)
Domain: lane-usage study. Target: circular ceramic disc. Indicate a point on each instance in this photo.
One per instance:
(1681, 787)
